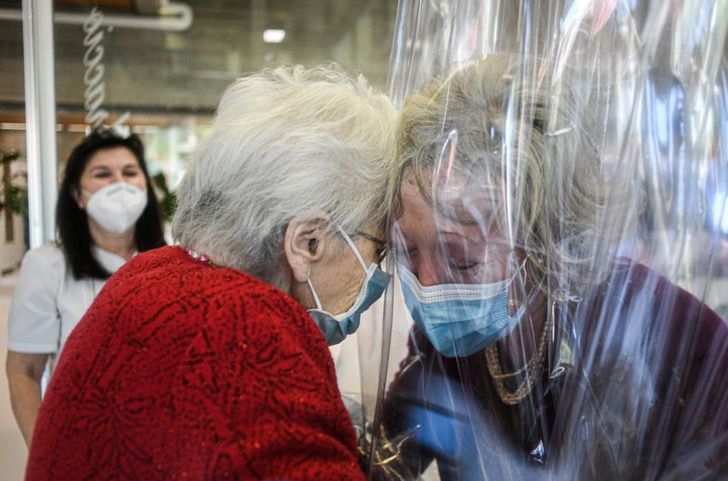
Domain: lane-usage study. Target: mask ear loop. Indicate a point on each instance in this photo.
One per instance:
(353, 248)
(315, 296)
(348, 240)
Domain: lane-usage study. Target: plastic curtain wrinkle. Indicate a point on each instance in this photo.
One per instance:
(588, 140)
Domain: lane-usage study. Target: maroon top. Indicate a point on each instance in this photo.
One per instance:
(185, 371)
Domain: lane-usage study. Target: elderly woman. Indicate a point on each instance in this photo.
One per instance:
(536, 353)
(209, 360)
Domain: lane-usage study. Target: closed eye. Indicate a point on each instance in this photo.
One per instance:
(464, 266)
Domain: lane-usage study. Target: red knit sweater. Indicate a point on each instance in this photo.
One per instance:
(184, 371)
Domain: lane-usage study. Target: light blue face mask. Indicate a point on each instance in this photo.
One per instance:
(459, 319)
(336, 327)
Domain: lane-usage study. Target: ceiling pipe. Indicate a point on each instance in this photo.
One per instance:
(174, 17)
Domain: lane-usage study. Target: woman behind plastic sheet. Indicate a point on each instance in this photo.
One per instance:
(536, 353)
(106, 213)
(210, 360)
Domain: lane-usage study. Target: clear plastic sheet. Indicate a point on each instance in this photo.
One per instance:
(560, 234)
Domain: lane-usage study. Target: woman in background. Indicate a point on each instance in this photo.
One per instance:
(106, 212)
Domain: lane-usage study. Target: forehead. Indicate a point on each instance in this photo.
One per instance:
(112, 157)
(461, 205)
(466, 200)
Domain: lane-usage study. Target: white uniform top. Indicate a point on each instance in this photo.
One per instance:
(48, 302)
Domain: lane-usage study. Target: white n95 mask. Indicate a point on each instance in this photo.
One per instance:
(116, 207)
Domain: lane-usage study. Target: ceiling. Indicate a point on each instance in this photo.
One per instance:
(167, 72)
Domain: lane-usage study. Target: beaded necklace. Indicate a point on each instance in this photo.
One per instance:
(200, 257)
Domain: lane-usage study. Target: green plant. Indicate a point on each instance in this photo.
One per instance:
(14, 193)
(168, 202)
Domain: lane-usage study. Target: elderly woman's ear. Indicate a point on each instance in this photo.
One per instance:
(304, 242)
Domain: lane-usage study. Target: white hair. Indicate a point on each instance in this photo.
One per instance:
(286, 141)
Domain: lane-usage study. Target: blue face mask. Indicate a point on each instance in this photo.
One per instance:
(459, 319)
(336, 327)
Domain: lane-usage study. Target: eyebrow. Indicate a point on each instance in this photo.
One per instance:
(130, 165)
(371, 238)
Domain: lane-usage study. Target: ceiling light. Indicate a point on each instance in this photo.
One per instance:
(274, 35)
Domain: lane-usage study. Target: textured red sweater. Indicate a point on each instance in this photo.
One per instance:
(184, 371)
